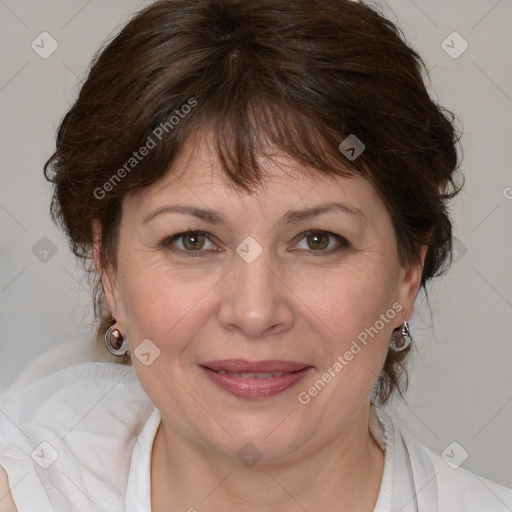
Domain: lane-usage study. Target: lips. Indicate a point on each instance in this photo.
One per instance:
(254, 379)
(244, 366)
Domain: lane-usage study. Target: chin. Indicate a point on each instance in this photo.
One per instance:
(258, 440)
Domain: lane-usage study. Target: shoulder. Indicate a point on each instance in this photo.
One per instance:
(79, 423)
(60, 395)
(71, 401)
(457, 489)
(66, 379)
(462, 490)
(467, 490)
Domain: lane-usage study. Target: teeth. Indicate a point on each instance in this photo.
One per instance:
(254, 375)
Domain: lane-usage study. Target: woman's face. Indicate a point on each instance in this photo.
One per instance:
(258, 289)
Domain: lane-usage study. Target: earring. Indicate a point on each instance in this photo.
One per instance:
(403, 337)
(115, 342)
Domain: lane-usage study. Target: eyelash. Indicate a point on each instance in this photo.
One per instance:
(342, 241)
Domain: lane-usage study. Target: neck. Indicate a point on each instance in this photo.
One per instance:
(347, 470)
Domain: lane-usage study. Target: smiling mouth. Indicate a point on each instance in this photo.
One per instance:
(262, 379)
(253, 375)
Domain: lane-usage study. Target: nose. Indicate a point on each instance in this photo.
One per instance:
(256, 300)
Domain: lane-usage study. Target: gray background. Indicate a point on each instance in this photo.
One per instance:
(461, 378)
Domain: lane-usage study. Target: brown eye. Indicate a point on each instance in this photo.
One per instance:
(320, 241)
(193, 241)
(190, 242)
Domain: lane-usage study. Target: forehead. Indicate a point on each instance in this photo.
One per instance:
(197, 177)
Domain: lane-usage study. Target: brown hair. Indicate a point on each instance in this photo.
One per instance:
(296, 75)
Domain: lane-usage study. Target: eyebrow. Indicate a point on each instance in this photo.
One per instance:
(289, 217)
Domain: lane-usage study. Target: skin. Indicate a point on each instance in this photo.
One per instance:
(6, 500)
(294, 302)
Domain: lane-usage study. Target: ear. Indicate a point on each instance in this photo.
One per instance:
(108, 275)
(409, 285)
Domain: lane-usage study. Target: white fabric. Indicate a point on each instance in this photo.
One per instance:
(101, 425)
(56, 358)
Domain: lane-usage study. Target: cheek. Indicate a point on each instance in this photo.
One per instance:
(160, 305)
(353, 298)
(357, 308)
(359, 313)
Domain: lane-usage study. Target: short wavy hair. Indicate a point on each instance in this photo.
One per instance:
(298, 75)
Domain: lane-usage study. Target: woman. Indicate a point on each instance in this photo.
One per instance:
(258, 190)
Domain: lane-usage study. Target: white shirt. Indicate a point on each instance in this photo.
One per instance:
(81, 439)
